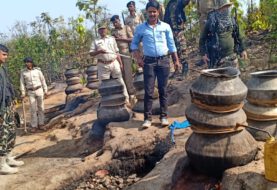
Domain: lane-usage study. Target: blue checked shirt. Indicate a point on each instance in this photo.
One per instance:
(157, 41)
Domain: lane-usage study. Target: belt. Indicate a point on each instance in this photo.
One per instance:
(33, 89)
(156, 58)
(105, 62)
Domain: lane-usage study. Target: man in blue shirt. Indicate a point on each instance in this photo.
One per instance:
(158, 42)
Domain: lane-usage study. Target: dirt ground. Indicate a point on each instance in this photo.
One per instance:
(61, 155)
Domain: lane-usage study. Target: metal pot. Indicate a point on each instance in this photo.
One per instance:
(260, 113)
(114, 114)
(92, 70)
(110, 86)
(139, 81)
(262, 88)
(71, 72)
(113, 100)
(73, 80)
(73, 88)
(209, 122)
(219, 90)
(212, 154)
(269, 126)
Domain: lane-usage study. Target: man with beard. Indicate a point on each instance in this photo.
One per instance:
(220, 38)
(157, 39)
(7, 120)
(123, 36)
(176, 18)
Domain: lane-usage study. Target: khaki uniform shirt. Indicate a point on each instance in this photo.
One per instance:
(107, 43)
(133, 21)
(31, 79)
(125, 32)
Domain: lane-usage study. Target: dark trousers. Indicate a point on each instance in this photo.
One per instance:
(151, 70)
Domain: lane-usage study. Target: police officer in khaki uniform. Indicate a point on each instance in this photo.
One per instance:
(134, 18)
(123, 36)
(32, 83)
(109, 62)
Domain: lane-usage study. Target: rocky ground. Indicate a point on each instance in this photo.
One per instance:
(60, 158)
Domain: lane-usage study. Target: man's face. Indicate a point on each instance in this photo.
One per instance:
(131, 8)
(3, 56)
(153, 14)
(102, 32)
(29, 65)
(117, 23)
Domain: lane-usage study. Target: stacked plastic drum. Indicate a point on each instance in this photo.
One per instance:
(113, 102)
(261, 106)
(92, 78)
(139, 86)
(218, 141)
(73, 80)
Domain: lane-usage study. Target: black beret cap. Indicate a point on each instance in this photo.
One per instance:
(114, 17)
(131, 3)
(28, 60)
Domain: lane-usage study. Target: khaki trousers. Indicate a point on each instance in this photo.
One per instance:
(36, 107)
(106, 71)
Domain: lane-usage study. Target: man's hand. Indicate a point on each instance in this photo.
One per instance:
(102, 51)
(140, 62)
(205, 59)
(177, 65)
(46, 94)
(243, 55)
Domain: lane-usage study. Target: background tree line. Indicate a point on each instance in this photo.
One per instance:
(56, 45)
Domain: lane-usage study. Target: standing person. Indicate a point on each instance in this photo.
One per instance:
(109, 62)
(158, 42)
(134, 18)
(221, 40)
(123, 36)
(203, 8)
(7, 120)
(176, 18)
(32, 83)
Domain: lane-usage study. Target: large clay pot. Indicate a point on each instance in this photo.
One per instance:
(114, 114)
(212, 154)
(113, 100)
(219, 90)
(262, 88)
(110, 86)
(269, 126)
(71, 72)
(73, 88)
(260, 113)
(204, 121)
